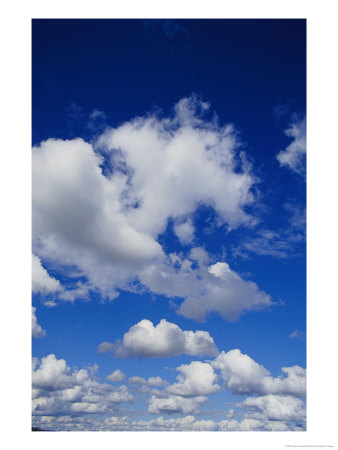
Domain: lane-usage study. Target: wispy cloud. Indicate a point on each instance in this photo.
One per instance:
(283, 242)
(296, 334)
(293, 156)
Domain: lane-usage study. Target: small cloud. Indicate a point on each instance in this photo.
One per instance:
(97, 114)
(74, 111)
(293, 156)
(41, 280)
(97, 121)
(105, 347)
(281, 110)
(297, 335)
(117, 375)
(37, 331)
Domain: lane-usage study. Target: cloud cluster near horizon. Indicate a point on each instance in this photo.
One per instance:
(270, 403)
(57, 390)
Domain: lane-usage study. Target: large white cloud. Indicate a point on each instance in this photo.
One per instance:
(58, 391)
(103, 215)
(294, 154)
(37, 330)
(165, 339)
(275, 407)
(175, 164)
(196, 378)
(78, 218)
(243, 376)
(205, 287)
(41, 280)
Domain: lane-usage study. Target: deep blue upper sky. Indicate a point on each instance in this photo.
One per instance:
(244, 68)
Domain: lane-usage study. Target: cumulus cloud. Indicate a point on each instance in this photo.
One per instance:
(205, 287)
(175, 404)
(137, 380)
(275, 407)
(78, 218)
(196, 378)
(293, 156)
(37, 330)
(101, 210)
(117, 375)
(165, 339)
(151, 381)
(243, 376)
(195, 381)
(156, 381)
(189, 161)
(57, 390)
(41, 280)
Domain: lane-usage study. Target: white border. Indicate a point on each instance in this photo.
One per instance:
(15, 230)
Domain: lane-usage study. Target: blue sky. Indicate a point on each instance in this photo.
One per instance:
(169, 185)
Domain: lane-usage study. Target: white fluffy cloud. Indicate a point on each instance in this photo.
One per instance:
(78, 218)
(117, 375)
(165, 339)
(58, 391)
(41, 280)
(189, 161)
(104, 216)
(294, 154)
(196, 378)
(195, 381)
(37, 330)
(243, 376)
(275, 407)
(151, 381)
(205, 287)
(175, 404)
